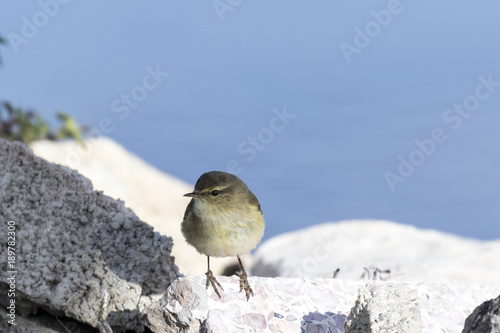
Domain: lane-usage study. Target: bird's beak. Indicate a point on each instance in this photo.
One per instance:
(192, 194)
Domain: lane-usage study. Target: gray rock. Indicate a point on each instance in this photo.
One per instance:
(72, 244)
(485, 318)
(44, 323)
(184, 308)
(385, 308)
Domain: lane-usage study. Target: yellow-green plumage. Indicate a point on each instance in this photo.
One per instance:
(227, 224)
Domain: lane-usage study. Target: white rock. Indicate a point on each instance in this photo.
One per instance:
(279, 305)
(153, 195)
(411, 254)
(185, 305)
(310, 305)
(388, 307)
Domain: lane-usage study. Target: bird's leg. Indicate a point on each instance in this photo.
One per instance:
(211, 280)
(244, 281)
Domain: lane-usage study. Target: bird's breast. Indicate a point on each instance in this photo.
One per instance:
(229, 231)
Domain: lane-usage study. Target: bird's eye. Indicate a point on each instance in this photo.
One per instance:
(215, 193)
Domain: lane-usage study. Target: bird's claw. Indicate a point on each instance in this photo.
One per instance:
(244, 285)
(211, 280)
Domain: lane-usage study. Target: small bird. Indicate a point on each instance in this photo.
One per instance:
(223, 219)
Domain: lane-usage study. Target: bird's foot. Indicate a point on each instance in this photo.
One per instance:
(244, 283)
(211, 280)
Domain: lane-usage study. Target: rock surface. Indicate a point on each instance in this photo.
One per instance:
(44, 323)
(411, 254)
(279, 305)
(153, 195)
(72, 244)
(313, 305)
(485, 318)
(388, 307)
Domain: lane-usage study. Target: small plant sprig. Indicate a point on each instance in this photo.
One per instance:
(17, 124)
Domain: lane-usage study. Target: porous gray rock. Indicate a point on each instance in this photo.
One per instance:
(44, 323)
(72, 244)
(485, 318)
(386, 307)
